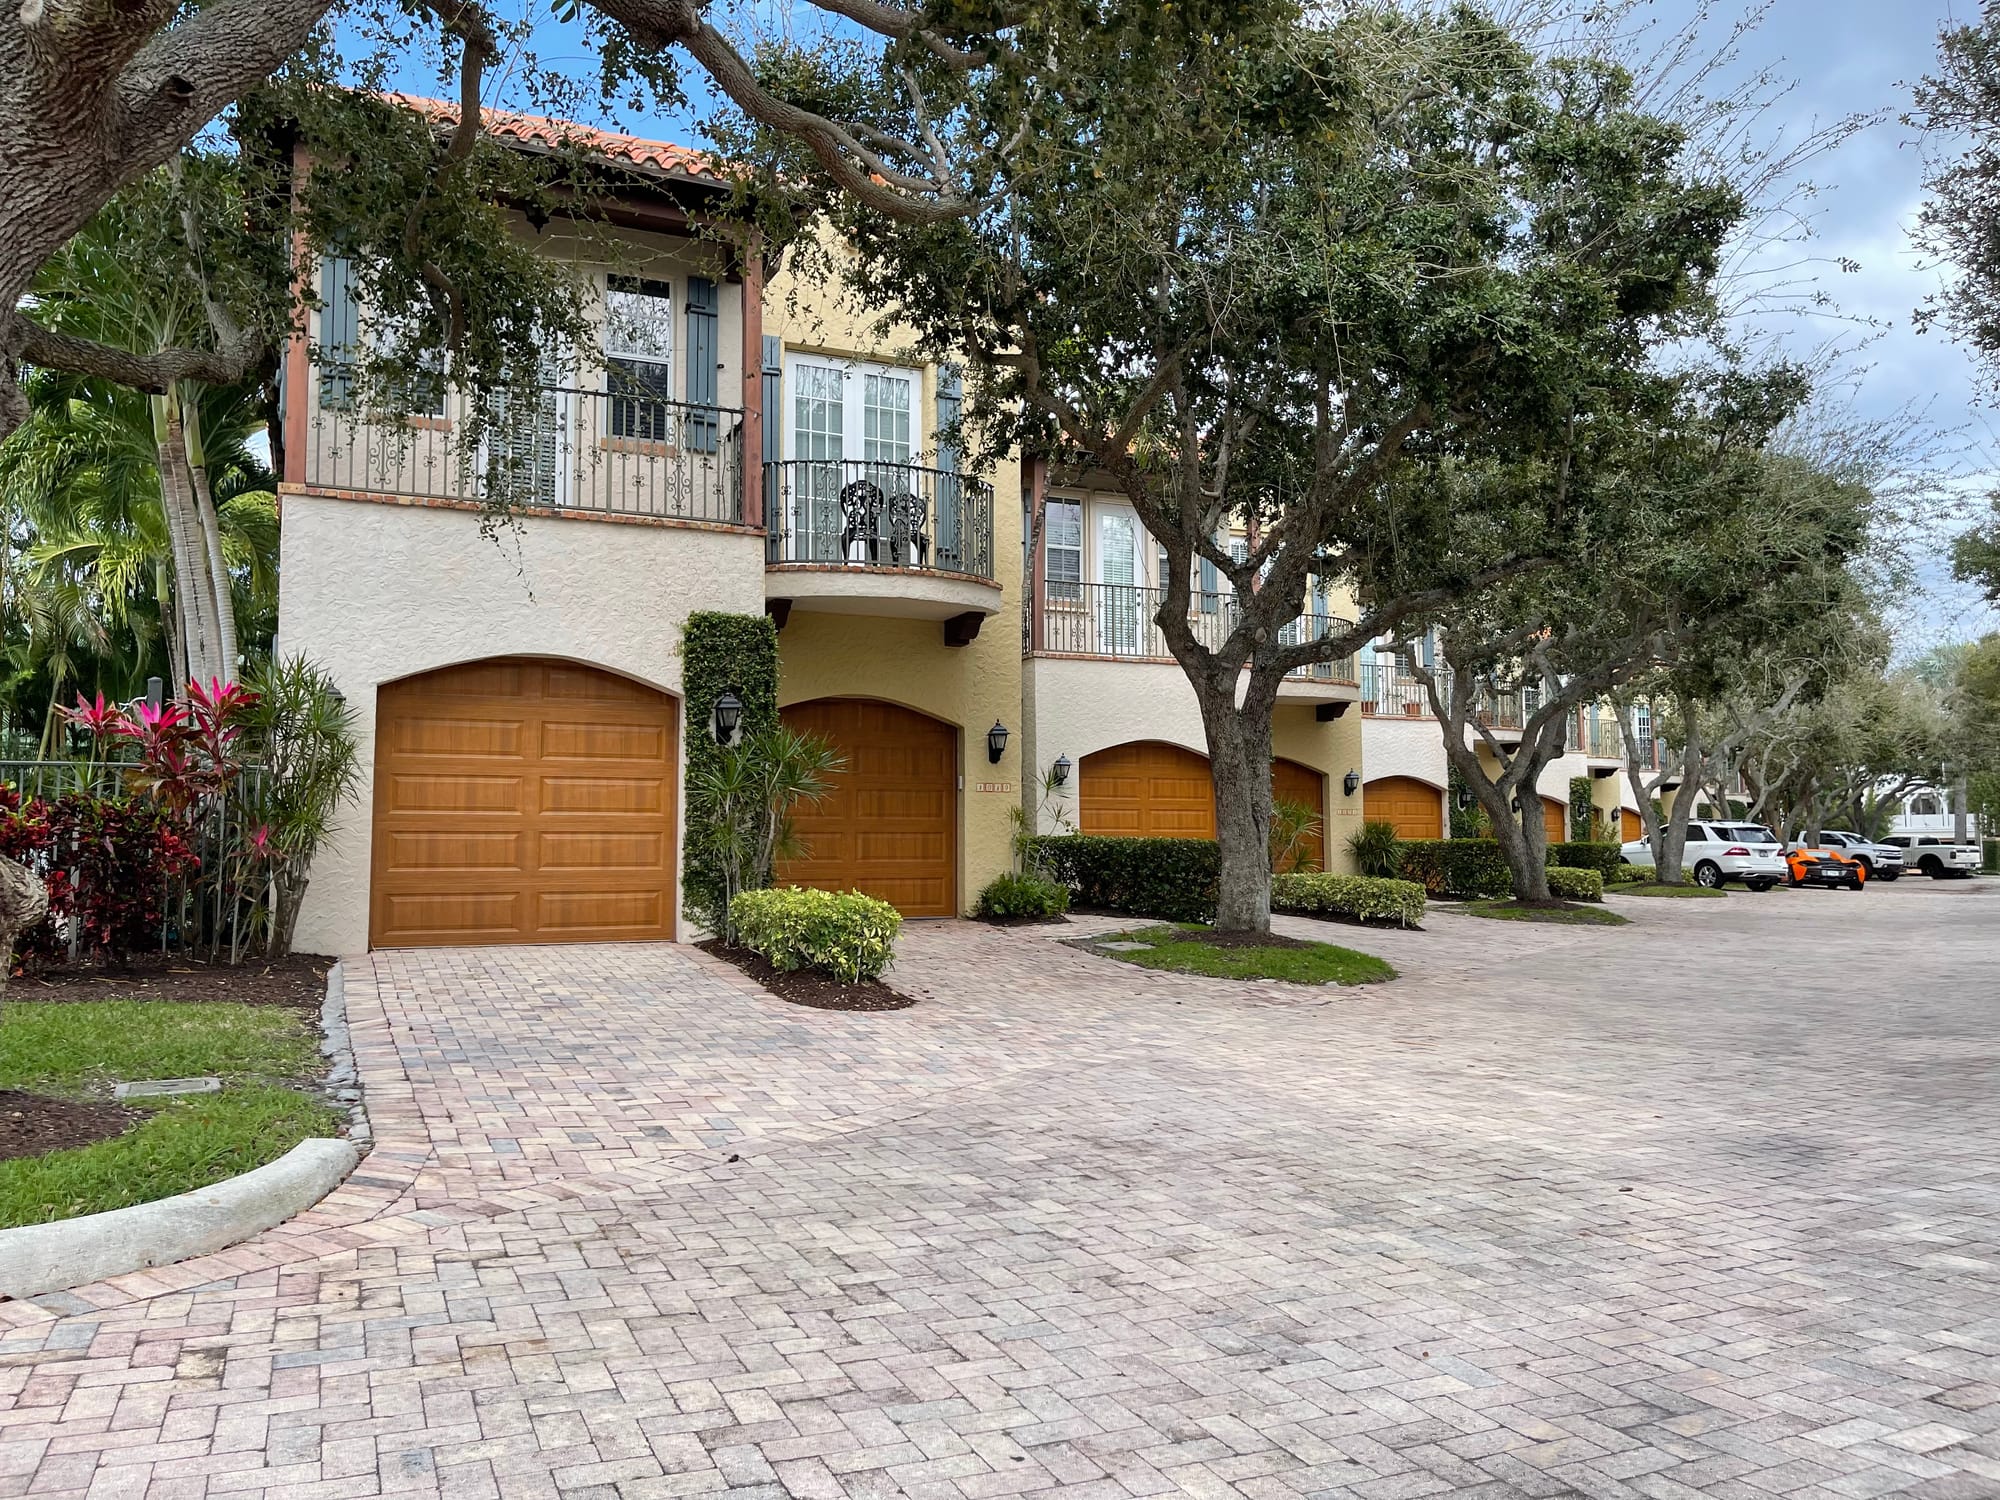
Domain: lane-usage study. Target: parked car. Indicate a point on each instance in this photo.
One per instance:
(1882, 861)
(1935, 855)
(1809, 864)
(1718, 853)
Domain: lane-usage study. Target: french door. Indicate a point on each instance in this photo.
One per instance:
(847, 422)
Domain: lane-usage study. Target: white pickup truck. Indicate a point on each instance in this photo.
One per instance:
(1936, 855)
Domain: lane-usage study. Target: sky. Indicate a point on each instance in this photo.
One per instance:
(1841, 57)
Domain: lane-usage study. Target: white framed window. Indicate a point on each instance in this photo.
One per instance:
(639, 358)
(846, 410)
(1063, 548)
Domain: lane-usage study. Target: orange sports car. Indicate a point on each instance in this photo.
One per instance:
(1834, 867)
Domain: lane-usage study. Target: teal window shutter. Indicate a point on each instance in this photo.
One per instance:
(774, 439)
(339, 331)
(703, 321)
(951, 527)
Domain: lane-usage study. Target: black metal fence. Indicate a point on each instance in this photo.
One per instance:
(878, 515)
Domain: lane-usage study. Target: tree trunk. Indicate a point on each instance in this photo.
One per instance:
(1670, 854)
(24, 901)
(170, 626)
(218, 591)
(1239, 759)
(191, 573)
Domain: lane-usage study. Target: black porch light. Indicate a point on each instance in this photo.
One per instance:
(1351, 782)
(1061, 770)
(1464, 799)
(728, 717)
(996, 742)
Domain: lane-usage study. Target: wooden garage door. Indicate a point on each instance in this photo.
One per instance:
(889, 828)
(1630, 824)
(1147, 790)
(522, 801)
(1416, 810)
(1292, 782)
(1555, 820)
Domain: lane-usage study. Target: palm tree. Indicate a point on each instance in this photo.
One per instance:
(127, 282)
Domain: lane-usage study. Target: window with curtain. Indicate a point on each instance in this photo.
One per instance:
(638, 358)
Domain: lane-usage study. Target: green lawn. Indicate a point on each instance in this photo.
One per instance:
(79, 1050)
(1181, 949)
(1654, 888)
(1573, 916)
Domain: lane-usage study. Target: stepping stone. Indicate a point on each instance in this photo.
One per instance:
(162, 1087)
(1126, 947)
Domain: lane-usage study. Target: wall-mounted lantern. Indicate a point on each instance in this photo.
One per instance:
(1351, 782)
(726, 720)
(996, 742)
(1061, 770)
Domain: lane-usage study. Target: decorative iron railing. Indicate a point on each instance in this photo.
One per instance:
(1600, 736)
(537, 447)
(1390, 691)
(1120, 620)
(878, 515)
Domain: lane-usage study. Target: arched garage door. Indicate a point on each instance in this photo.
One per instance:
(522, 801)
(1148, 789)
(1630, 824)
(889, 828)
(1414, 807)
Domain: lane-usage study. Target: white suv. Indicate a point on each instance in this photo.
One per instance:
(1935, 855)
(1720, 852)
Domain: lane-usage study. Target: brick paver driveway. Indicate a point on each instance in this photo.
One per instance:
(1705, 1206)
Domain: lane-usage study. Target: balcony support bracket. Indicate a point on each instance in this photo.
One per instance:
(780, 610)
(1326, 713)
(1601, 772)
(962, 630)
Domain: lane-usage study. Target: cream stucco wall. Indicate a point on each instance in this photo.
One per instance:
(1077, 707)
(375, 592)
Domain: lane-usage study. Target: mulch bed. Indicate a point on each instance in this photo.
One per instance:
(808, 987)
(31, 1124)
(1056, 921)
(1214, 939)
(297, 980)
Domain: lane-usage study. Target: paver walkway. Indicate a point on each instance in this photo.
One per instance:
(1704, 1206)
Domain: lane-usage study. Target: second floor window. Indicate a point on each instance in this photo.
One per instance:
(1065, 550)
(638, 358)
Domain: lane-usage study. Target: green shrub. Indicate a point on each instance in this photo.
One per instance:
(1627, 874)
(1569, 884)
(1173, 879)
(1022, 896)
(842, 933)
(1456, 867)
(1377, 850)
(1585, 855)
(1359, 898)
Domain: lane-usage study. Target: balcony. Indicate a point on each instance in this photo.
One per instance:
(553, 449)
(880, 538)
(1599, 737)
(1119, 621)
(1388, 692)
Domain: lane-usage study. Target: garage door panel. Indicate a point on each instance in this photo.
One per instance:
(1148, 789)
(445, 793)
(464, 738)
(603, 794)
(571, 739)
(453, 852)
(889, 825)
(575, 841)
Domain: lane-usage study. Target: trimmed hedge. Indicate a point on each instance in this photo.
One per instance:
(1359, 898)
(1457, 867)
(1172, 879)
(1022, 896)
(720, 651)
(1582, 855)
(1567, 883)
(842, 933)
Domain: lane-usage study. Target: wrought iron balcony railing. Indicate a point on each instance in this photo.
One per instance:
(1389, 691)
(878, 515)
(546, 447)
(1600, 736)
(1120, 620)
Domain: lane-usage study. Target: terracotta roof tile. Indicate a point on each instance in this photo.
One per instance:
(538, 130)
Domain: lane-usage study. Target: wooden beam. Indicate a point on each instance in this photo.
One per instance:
(1326, 713)
(962, 630)
(780, 610)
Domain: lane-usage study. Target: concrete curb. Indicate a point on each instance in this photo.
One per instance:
(37, 1258)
